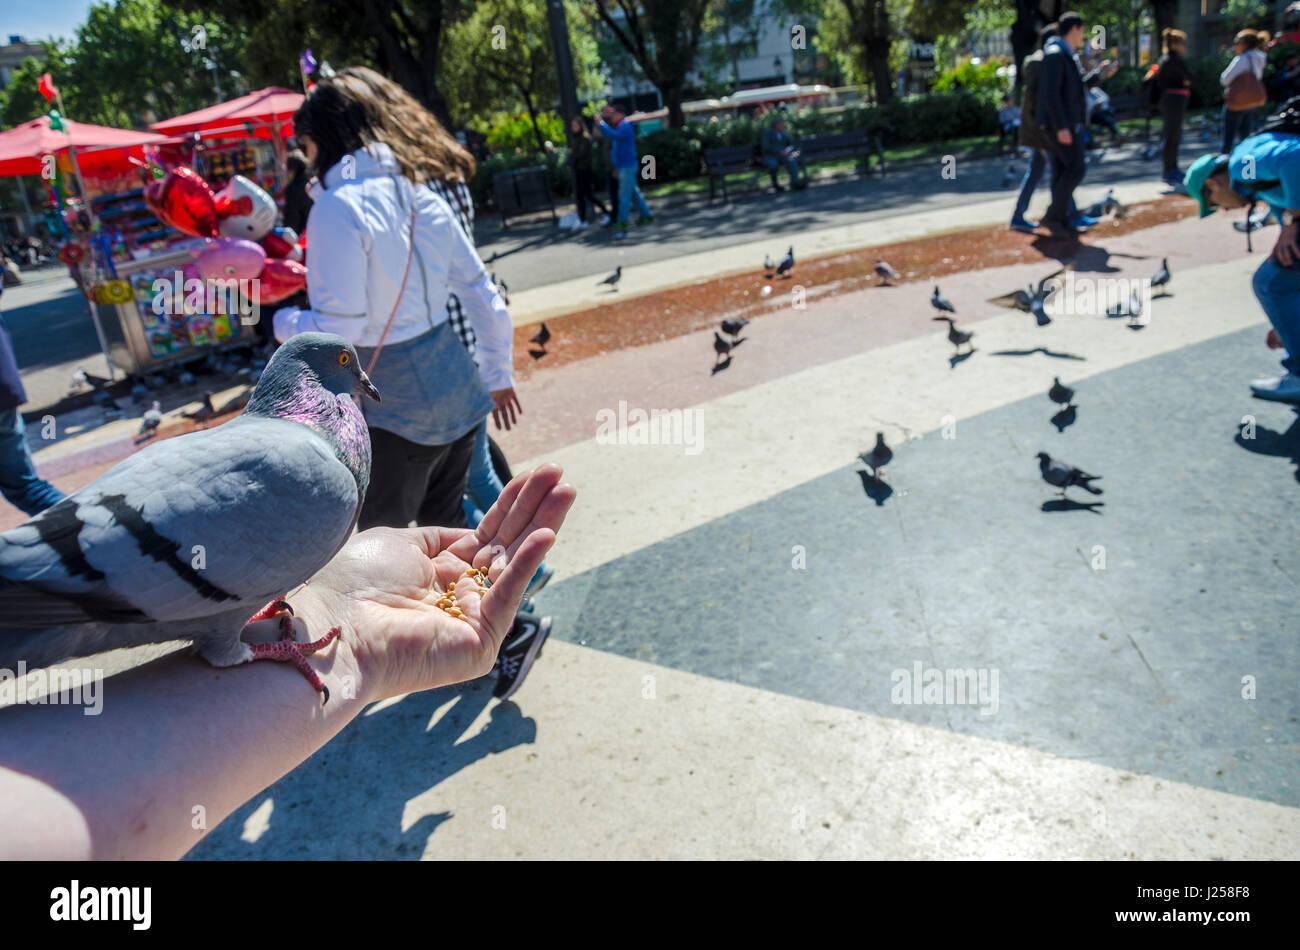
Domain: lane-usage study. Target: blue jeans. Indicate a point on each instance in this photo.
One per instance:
(1278, 291)
(483, 487)
(627, 190)
(791, 166)
(1033, 175)
(19, 483)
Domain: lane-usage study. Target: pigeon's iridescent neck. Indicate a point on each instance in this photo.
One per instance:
(334, 415)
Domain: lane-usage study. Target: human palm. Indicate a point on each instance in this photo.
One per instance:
(383, 588)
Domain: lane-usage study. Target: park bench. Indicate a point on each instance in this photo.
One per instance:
(855, 144)
(1130, 107)
(521, 191)
(728, 160)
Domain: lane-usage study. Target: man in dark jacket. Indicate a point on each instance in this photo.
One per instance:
(1062, 113)
(19, 483)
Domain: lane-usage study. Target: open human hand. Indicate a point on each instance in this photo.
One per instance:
(383, 587)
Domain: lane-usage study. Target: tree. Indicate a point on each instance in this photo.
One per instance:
(403, 39)
(502, 55)
(869, 33)
(663, 37)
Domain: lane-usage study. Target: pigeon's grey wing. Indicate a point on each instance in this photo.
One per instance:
(1016, 300)
(1054, 280)
(186, 528)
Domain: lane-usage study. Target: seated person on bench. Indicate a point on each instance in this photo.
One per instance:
(778, 150)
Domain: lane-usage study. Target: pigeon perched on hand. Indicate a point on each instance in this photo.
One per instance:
(733, 327)
(787, 262)
(878, 457)
(1162, 276)
(1060, 394)
(957, 337)
(151, 419)
(885, 272)
(614, 278)
(195, 537)
(541, 337)
(1064, 475)
(940, 302)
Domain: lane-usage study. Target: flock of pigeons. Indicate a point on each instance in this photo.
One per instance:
(1055, 472)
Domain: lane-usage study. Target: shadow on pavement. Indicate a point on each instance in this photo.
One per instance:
(1277, 444)
(387, 758)
(1069, 504)
(876, 490)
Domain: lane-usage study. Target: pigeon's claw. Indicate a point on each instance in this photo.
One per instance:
(274, 609)
(288, 650)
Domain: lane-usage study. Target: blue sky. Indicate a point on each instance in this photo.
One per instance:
(39, 21)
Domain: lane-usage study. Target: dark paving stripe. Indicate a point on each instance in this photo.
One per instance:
(1139, 667)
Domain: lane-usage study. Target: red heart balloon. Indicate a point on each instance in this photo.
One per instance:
(279, 279)
(184, 201)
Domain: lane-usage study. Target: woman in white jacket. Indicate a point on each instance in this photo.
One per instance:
(373, 149)
(1248, 45)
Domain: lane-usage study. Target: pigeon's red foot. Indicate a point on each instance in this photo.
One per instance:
(288, 650)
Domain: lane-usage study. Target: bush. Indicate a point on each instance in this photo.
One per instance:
(1206, 90)
(1127, 81)
(982, 78)
(511, 132)
(678, 152)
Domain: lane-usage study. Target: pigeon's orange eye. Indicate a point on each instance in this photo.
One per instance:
(343, 358)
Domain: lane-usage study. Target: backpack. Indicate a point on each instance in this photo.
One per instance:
(1149, 94)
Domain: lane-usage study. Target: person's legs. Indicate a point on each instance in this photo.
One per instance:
(481, 484)
(1231, 124)
(773, 167)
(628, 182)
(1172, 108)
(581, 184)
(1058, 210)
(19, 483)
(796, 174)
(1278, 291)
(445, 488)
(1034, 174)
(399, 473)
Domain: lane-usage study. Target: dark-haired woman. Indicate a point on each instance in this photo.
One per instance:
(580, 155)
(385, 244)
(1174, 80)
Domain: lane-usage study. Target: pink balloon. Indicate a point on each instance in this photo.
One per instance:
(230, 259)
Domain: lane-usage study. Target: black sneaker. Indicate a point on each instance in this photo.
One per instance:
(520, 649)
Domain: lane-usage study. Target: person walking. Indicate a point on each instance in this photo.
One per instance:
(580, 157)
(1174, 84)
(385, 254)
(1060, 109)
(1243, 86)
(19, 483)
(296, 200)
(622, 140)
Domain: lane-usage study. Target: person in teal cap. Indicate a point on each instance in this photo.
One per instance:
(1264, 167)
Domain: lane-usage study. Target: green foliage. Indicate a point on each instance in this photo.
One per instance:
(981, 78)
(516, 131)
(679, 152)
(1127, 81)
(1244, 14)
(1207, 92)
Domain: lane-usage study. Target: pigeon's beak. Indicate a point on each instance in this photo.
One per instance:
(368, 387)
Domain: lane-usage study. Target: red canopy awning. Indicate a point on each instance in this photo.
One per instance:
(257, 112)
(23, 147)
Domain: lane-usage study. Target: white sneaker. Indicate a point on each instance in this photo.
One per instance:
(1282, 388)
(604, 220)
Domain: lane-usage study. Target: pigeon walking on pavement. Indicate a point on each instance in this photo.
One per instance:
(957, 337)
(1162, 276)
(940, 302)
(1060, 394)
(82, 378)
(885, 272)
(1064, 475)
(1100, 207)
(151, 419)
(733, 327)
(723, 347)
(769, 265)
(270, 497)
(541, 337)
(877, 457)
(204, 412)
(614, 278)
(787, 262)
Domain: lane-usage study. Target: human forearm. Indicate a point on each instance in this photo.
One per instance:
(494, 330)
(292, 320)
(178, 744)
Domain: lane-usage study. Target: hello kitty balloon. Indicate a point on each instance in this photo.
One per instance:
(244, 210)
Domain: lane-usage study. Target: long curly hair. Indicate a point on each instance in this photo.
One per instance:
(357, 107)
